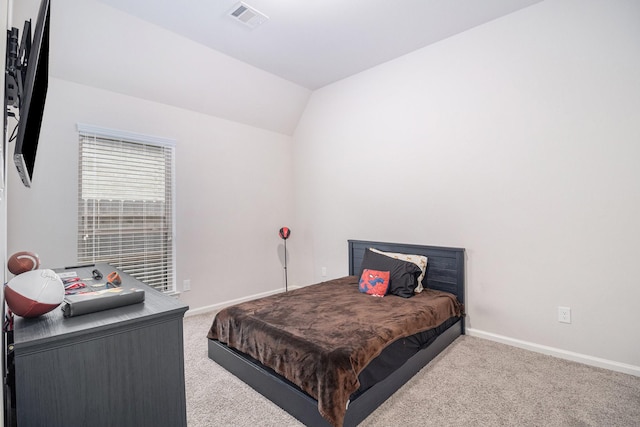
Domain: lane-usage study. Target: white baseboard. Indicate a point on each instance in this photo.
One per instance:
(216, 307)
(556, 352)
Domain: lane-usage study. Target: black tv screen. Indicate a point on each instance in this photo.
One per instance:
(35, 81)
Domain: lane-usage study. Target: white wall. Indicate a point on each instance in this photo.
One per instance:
(233, 191)
(517, 140)
(97, 45)
(234, 186)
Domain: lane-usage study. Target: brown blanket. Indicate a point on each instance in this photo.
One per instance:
(320, 337)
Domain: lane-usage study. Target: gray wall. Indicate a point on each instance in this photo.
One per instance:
(233, 177)
(517, 140)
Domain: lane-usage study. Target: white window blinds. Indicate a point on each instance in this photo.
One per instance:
(125, 204)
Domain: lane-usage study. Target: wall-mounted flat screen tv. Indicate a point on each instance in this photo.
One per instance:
(27, 81)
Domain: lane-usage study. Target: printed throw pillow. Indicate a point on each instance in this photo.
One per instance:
(374, 282)
(403, 274)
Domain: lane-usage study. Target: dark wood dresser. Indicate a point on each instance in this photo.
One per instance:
(118, 367)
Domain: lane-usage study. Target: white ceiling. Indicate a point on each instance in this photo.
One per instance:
(316, 42)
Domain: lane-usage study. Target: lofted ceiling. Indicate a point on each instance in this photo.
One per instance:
(313, 43)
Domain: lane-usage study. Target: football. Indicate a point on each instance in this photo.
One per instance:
(23, 261)
(34, 293)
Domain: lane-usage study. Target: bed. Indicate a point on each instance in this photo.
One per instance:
(314, 368)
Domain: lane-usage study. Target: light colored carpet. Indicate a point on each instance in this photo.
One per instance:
(474, 382)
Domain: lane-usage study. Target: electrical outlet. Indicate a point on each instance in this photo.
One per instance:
(186, 285)
(564, 314)
(324, 271)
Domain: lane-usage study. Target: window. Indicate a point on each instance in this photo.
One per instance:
(125, 204)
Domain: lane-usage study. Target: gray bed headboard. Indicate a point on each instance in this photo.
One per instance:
(445, 266)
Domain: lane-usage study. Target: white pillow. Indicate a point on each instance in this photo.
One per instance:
(419, 260)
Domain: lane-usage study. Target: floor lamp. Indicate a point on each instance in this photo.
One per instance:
(284, 233)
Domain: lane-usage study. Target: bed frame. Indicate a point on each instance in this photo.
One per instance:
(445, 271)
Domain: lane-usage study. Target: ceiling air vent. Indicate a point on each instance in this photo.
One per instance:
(248, 16)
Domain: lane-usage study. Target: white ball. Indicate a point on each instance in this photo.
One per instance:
(34, 293)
